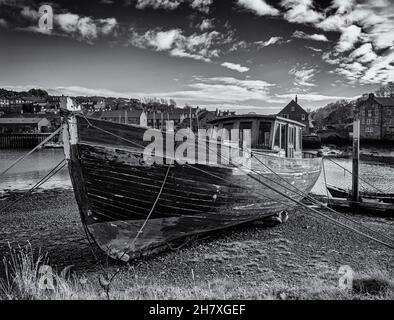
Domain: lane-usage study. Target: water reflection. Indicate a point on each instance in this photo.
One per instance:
(28, 172)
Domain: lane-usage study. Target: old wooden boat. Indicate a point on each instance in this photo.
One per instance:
(338, 192)
(131, 206)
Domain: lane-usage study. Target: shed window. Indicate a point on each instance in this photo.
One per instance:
(264, 134)
(283, 136)
(227, 128)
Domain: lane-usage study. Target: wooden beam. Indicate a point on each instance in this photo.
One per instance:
(356, 160)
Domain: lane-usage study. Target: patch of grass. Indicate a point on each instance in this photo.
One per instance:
(29, 277)
(24, 280)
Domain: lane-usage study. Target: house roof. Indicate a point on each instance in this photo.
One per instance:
(166, 116)
(292, 103)
(20, 120)
(121, 113)
(386, 102)
(254, 116)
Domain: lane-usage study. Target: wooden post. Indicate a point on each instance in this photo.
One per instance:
(356, 159)
(190, 115)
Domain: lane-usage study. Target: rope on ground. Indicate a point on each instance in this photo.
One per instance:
(30, 152)
(49, 175)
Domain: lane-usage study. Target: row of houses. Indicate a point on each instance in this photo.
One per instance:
(30, 104)
(178, 117)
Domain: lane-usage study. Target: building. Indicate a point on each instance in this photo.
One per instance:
(376, 116)
(123, 116)
(4, 102)
(158, 119)
(295, 112)
(24, 125)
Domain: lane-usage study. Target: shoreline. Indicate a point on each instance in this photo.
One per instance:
(302, 256)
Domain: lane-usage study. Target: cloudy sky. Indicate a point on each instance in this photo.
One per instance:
(239, 54)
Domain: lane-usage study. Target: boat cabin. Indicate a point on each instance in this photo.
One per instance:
(269, 133)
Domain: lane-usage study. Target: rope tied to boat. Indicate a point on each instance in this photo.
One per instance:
(13, 164)
(140, 231)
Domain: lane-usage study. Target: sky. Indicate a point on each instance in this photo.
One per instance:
(243, 55)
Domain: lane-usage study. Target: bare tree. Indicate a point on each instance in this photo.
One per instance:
(386, 90)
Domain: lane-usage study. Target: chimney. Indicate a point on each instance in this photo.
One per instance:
(296, 99)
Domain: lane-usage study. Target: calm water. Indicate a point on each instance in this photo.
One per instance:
(29, 171)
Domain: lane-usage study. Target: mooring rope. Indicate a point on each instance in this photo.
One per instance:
(30, 152)
(149, 214)
(366, 182)
(49, 175)
(321, 204)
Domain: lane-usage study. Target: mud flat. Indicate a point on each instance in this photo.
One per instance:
(299, 259)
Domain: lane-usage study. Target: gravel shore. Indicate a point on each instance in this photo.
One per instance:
(303, 253)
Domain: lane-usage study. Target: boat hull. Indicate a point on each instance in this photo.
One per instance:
(116, 191)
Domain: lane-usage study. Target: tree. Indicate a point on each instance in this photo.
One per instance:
(386, 90)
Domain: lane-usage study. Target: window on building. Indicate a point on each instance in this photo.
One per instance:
(376, 121)
(283, 137)
(227, 128)
(369, 121)
(303, 117)
(244, 126)
(264, 134)
(292, 108)
(369, 113)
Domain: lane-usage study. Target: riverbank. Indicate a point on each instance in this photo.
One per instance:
(296, 260)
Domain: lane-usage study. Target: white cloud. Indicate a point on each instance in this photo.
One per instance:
(314, 49)
(269, 42)
(301, 11)
(201, 5)
(70, 24)
(158, 4)
(206, 24)
(259, 7)
(3, 23)
(348, 39)
(364, 54)
(67, 21)
(181, 53)
(235, 67)
(315, 36)
(342, 6)
(29, 13)
(380, 71)
(303, 76)
(315, 97)
(195, 46)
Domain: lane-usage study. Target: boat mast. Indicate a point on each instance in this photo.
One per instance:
(356, 160)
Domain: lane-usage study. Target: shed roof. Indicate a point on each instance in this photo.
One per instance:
(252, 116)
(386, 102)
(20, 120)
